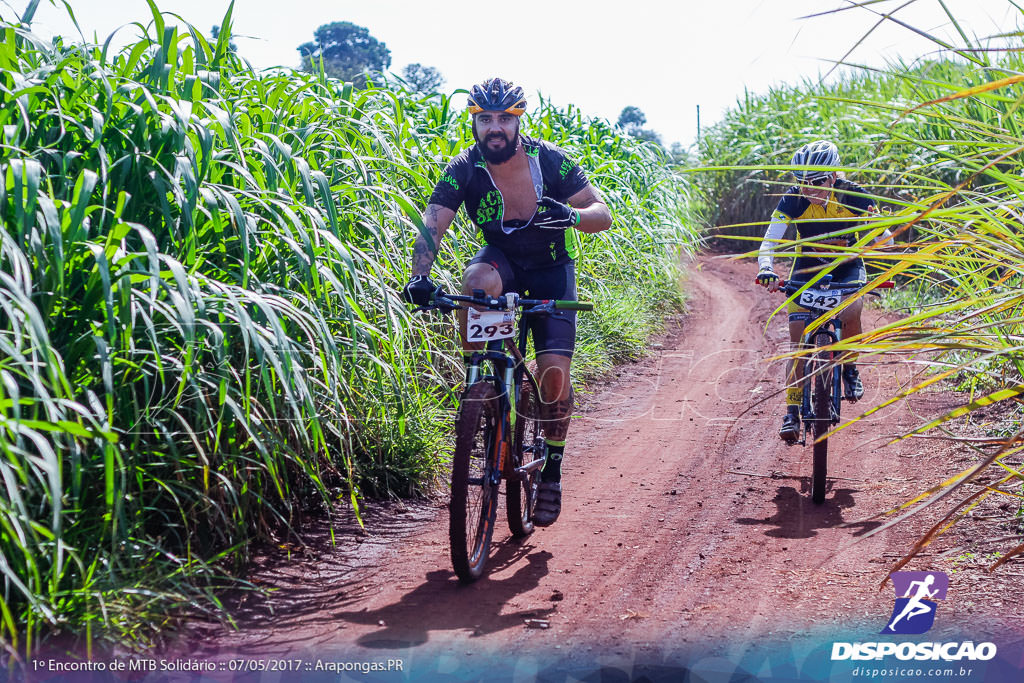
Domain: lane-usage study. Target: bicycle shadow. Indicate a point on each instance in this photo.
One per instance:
(442, 603)
(797, 516)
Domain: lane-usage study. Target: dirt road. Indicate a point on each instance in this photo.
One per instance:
(686, 525)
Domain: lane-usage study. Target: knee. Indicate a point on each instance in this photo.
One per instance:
(853, 311)
(482, 276)
(553, 374)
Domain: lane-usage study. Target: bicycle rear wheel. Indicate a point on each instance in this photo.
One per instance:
(821, 365)
(474, 499)
(521, 495)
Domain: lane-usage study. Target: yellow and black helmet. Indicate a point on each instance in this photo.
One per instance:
(497, 94)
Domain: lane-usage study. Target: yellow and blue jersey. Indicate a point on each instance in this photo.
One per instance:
(847, 207)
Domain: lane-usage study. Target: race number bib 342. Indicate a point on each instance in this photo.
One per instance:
(823, 299)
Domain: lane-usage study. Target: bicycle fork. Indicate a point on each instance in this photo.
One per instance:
(497, 450)
(821, 337)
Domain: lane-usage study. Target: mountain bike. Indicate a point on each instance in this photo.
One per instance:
(822, 377)
(497, 430)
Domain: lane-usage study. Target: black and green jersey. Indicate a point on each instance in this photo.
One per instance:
(466, 180)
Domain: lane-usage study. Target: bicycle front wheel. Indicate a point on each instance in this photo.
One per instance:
(822, 368)
(521, 493)
(474, 499)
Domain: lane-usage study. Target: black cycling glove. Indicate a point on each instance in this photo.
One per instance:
(554, 215)
(419, 290)
(766, 277)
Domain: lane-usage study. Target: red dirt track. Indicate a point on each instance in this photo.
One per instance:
(685, 521)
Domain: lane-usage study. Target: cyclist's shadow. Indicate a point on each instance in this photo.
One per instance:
(441, 603)
(798, 517)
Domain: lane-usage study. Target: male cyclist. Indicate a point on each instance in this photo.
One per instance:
(525, 196)
(821, 204)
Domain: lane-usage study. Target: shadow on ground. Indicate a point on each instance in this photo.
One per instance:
(797, 516)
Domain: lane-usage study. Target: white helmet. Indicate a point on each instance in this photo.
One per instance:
(820, 153)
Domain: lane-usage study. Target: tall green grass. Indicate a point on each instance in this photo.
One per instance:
(201, 339)
(634, 281)
(940, 141)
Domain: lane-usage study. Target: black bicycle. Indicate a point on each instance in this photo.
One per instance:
(822, 379)
(497, 431)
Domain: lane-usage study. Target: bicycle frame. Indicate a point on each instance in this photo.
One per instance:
(821, 374)
(831, 330)
(509, 370)
(495, 376)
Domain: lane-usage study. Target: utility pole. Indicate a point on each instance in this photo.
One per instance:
(698, 124)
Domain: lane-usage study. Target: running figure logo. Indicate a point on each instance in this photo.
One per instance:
(916, 595)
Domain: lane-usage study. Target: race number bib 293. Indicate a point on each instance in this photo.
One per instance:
(483, 326)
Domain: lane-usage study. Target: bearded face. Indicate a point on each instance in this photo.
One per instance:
(498, 145)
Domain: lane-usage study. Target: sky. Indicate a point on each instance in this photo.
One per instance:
(666, 58)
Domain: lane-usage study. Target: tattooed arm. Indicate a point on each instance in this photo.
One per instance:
(595, 215)
(436, 220)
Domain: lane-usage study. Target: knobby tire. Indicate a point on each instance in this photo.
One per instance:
(521, 496)
(474, 499)
(821, 365)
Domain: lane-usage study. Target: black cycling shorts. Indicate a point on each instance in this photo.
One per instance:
(804, 268)
(555, 333)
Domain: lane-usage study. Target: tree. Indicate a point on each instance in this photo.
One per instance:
(348, 52)
(680, 155)
(631, 119)
(424, 79)
(646, 134)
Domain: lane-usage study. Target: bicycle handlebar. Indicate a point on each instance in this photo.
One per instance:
(505, 302)
(792, 286)
(568, 305)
